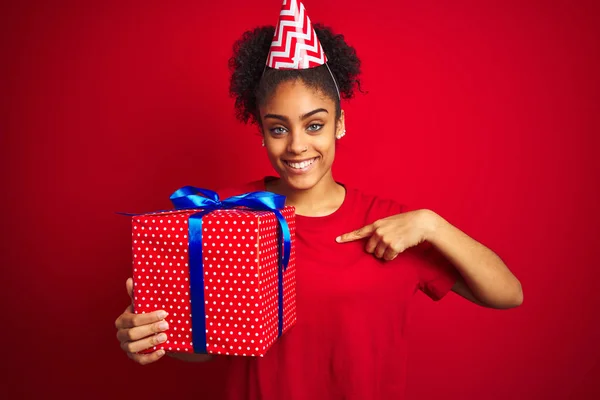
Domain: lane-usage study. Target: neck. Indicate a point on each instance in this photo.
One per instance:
(322, 199)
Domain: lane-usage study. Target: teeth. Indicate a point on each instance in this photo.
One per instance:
(300, 165)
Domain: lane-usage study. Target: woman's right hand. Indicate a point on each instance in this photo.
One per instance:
(137, 332)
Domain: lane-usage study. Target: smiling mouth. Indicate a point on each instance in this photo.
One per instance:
(300, 164)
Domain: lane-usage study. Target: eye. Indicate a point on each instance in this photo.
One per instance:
(278, 130)
(315, 127)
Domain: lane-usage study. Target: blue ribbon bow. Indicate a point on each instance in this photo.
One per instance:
(188, 197)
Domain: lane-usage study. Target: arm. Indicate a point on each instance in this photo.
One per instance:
(486, 280)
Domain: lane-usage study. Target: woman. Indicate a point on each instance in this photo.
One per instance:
(360, 258)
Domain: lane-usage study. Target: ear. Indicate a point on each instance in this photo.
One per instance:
(341, 125)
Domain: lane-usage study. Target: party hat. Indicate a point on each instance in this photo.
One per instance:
(295, 44)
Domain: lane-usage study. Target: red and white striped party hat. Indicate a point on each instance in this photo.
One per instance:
(295, 44)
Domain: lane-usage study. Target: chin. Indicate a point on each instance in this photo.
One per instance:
(300, 181)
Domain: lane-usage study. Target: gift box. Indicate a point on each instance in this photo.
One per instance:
(223, 270)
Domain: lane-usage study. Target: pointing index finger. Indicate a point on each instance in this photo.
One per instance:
(361, 233)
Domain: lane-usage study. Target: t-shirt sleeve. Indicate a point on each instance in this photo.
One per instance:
(435, 272)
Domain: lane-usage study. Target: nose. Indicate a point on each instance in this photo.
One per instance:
(297, 142)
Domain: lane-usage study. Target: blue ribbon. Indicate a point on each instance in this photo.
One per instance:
(189, 197)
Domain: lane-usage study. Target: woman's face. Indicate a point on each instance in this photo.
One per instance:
(299, 129)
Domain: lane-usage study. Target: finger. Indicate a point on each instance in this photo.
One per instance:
(144, 359)
(145, 343)
(372, 243)
(380, 249)
(129, 286)
(357, 234)
(130, 320)
(390, 254)
(141, 332)
(119, 321)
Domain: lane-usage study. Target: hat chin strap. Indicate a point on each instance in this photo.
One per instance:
(337, 89)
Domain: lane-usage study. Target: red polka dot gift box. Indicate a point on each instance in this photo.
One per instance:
(224, 271)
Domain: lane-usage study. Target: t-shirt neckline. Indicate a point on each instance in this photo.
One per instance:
(315, 222)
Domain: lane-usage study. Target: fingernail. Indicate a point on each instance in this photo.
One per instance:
(160, 353)
(337, 239)
(163, 325)
(162, 314)
(161, 338)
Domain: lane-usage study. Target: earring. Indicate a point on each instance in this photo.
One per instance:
(341, 135)
(263, 143)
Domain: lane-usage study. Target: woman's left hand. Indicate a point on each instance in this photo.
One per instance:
(390, 236)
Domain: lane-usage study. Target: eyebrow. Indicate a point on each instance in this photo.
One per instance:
(303, 117)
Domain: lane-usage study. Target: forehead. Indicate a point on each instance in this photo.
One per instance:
(294, 98)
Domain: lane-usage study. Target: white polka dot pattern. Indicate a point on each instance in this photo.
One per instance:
(240, 278)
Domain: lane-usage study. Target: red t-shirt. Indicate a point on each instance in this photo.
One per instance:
(349, 341)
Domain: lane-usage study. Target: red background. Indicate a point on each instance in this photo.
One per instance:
(486, 112)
